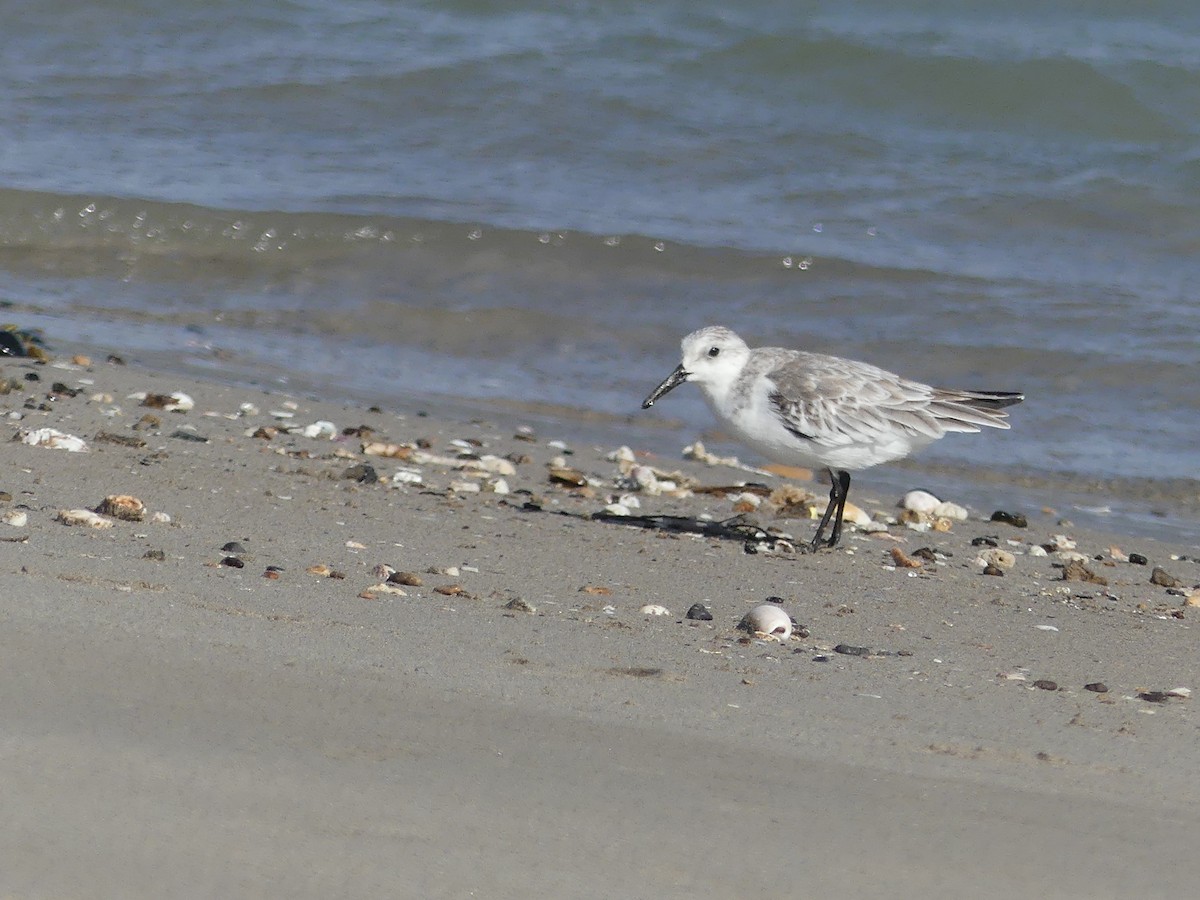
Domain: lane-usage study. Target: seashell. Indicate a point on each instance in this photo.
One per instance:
(768, 621)
(83, 517)
(1001, 559)
(499, 486)
(320, 429)
(920, 502)
(122, 506)
(411, 579)
(873, 527)
(947, 510)
(383, 448)
(617, 509)
(941, 524)
(17, 518)
(465, 487)
(382, 571)
(746, 502)
(654, 609)
(384, 588)
(406, 476)
(855, 515)
(559, 445)
(54, 440)
(567, 476)
(493, 465)
(281, 414)
(1037, 550)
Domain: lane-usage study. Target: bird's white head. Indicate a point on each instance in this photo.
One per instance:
(712, 357)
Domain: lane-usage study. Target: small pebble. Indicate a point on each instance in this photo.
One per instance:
(1162, 578)
(699, 612)
(233, 562)
(1138, 560)
(1098, 687)
(1154, 696)
(850, 650)
(233, 547)
(362, 473)
(1014, 519)
(156, 555)
(1045, 684)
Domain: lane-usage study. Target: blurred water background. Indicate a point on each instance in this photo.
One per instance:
(527, 205)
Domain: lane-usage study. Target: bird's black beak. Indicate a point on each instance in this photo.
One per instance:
(672, 381)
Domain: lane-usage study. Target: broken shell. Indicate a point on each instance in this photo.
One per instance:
(320, 429)
(55, 440)
(568, 476)
(493, 465)
(174, 402)
(465, 487)
(1001, 559)
(900, 561)
(15, 517)
(947, 510)
(385, 588)
(122, 506)
(83, 517)
(767, 620)
(855, 515)
(654, 609)
(920, 501)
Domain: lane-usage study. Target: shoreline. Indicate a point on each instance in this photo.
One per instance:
(316, 729)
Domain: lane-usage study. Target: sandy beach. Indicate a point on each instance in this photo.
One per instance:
(225, 695)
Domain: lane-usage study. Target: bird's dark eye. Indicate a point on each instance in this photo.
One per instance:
(714, 351)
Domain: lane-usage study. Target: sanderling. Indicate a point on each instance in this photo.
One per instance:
(812, 410)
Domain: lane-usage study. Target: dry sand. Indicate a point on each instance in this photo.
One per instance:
(177, 727)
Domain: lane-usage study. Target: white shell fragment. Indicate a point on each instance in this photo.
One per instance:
(17, 518)
(320, 429)
(55, 440)
(1001, 559)
(948, 510)
(768, 621)
(83, 517)
(654, 609)
(920, 501)
(181, 402)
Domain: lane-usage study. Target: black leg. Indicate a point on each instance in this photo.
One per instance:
(843, 478)
(838, 490)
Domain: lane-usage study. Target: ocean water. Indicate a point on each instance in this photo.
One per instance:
(530, 203)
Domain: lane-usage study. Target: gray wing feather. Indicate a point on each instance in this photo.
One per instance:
(835, 402)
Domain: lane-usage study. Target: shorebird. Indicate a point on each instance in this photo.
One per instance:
(814, 410)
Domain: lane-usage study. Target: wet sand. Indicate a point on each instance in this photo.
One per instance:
(178, 726)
